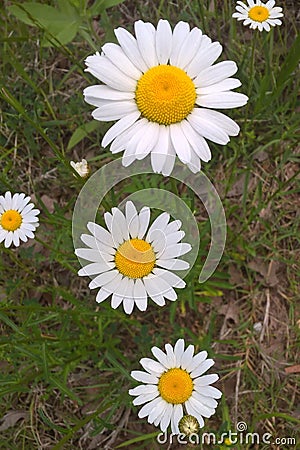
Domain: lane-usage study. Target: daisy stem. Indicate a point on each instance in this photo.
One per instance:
(251, 77)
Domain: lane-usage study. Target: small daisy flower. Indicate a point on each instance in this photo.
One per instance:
(133, 262)
(174, 383)
(259, 15)
(18, 219)
(162, 88)
(82, 167)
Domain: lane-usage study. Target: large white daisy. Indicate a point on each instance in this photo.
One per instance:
(18, 219)
(133, 262)
(259, 15)
(174, 383)
(160, 86)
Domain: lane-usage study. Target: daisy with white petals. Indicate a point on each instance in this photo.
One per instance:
(81, 167)
(161, 86)
(133, 262)
(174, 383)
(259, 15)
(18, 219)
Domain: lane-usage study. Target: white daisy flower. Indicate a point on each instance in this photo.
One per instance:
(259, 15)
(174, 383)
(81, 167)
(160, 86)
(133, 262)
(18, 219)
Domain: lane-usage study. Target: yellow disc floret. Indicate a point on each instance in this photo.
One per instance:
(135, 258)
(259, 13)
(175, 386)
(11, 220)
(165, 94)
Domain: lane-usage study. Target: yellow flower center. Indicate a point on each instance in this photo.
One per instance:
(259, 13)
(165, 94)
(175, 386)
(11, 220)
(135, 258)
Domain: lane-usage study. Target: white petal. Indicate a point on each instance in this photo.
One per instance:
(163, 41)
(175, 250)
(119, 229)
(222, 86)
(102, 92)
(172, 264)
(178, 351)
(144, 389)
(102, 295)
(100, 233)
(180, 33)
(196, 361)
(197, 142)
(159, 223)
(151, 366)
(171, 278)
(216, 73)
(193, 412)
(140, 295)
(170, 355)
(166, 418)
(207, 401)
(117, 56)
(160, 150)
(144, 219)
(189, 48)
(128, 305)
(130, 48)
(103, 69)
(177, 415)
(222, 100)
(120, 126)
(203, 367)
(8, 239)
(93, 243)
(209, 391)
(206, 379)
(161, 357)
(206, 128)
(132, 219)
(121, 142)
(145, 36)
(94, 268)
(91, 255)
(220, 120)
(206, 56)
(148, 141)
(187, 357)
(180, 143)
(146, 409)
(144, 377)
(115, 110)
(103, 279)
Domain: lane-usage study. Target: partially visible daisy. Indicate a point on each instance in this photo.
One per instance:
(174, 383)
(160, 86)
(133, 262)
(81, 167)
(259, 15)
(18, 219)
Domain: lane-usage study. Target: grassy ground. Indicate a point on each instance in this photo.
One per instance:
(65, 361)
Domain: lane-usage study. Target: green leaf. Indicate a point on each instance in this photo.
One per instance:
(81, 132)
(101, 5)
(60, 26)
